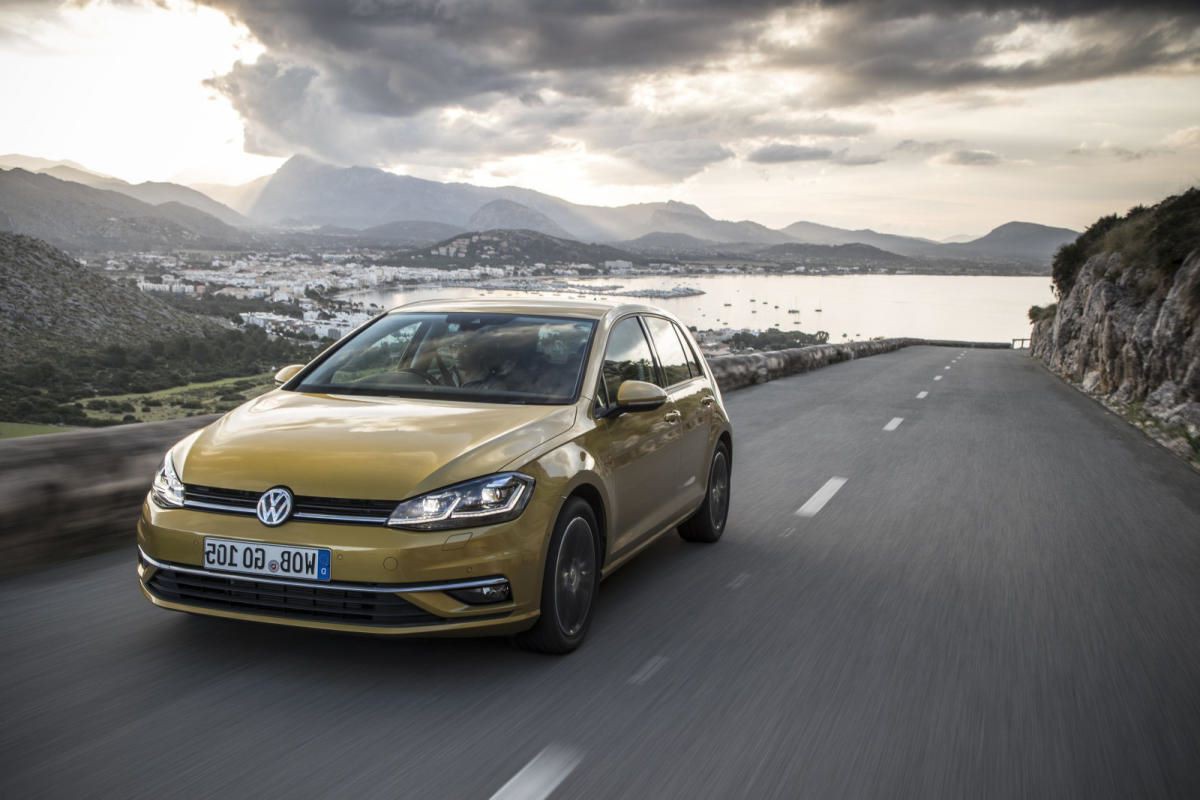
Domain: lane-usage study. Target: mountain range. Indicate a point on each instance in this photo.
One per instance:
(76, 216)
(70, 205)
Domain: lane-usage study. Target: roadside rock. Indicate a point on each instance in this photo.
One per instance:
(1136, 349)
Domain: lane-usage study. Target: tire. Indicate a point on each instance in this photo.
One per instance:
(708, 523)
(569, 583)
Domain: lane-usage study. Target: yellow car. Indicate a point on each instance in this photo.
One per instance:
(450, 468)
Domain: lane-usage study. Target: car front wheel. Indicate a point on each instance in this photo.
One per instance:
(569, 584)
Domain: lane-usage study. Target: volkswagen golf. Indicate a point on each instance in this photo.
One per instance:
(449, 468)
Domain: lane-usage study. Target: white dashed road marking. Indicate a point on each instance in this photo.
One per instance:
(893, 424)
(823, 496)
(648, 669)
(541, 776)
(922, 395)
(937, 377)
(739, 581)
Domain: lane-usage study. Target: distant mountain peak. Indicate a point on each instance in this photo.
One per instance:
(38, 164)
(524, 245)
(1027, 241)
(504, 214)
(676, 207)
(301, 162)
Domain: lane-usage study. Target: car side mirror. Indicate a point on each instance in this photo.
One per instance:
(287, 373)
(639, 396)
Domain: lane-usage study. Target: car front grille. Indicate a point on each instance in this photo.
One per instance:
(313, 509)
(319, 603)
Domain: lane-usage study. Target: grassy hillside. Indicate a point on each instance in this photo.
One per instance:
(15, 430)
(193, 399)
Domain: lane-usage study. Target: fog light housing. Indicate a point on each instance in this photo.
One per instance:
(483, 595)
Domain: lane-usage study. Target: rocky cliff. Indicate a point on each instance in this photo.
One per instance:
(1127, 325)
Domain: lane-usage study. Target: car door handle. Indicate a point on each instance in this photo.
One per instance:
(672, 417)
(707, 401)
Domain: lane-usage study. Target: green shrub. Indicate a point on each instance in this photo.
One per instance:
(775, 339)
(1155, 241)
(1039, 313)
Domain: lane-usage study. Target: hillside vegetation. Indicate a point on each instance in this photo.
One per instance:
(528, 246)
(1153, 241)
(50, 302)
(69, 334)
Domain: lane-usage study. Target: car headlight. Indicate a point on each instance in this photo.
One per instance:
(483, 501)
(167, 489)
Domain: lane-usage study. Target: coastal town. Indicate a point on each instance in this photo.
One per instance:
(315, 294)
(324, 291)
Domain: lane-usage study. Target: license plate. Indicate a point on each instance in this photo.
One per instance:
(279, 561)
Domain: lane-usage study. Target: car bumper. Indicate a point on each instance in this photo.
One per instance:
(383, 581)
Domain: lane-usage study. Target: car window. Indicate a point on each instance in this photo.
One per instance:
(627, 358)
(490, 357)
(670, 352)
(693, 359)
(383, 355)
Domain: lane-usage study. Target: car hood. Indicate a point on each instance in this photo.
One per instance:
(368, 448)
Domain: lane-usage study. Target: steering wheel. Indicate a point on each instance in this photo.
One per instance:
(425, 377)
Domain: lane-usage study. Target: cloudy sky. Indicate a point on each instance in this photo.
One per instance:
(931, 117)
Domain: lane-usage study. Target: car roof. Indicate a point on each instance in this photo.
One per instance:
(589, 309)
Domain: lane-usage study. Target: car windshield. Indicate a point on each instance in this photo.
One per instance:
(487, 357)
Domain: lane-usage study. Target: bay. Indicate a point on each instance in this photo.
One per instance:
(976, 308)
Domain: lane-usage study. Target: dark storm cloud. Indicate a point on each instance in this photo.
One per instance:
(880, 50)
(526, 71)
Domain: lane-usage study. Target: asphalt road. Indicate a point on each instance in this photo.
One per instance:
(1002, 599)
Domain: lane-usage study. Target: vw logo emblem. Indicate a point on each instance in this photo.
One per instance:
(275, 506)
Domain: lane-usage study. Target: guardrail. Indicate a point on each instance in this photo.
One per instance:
(70, 494)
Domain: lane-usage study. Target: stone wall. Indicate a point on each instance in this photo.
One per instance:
(70, 494)
(735, 371)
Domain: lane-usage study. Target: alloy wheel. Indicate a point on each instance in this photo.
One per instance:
(574, 574)
(718, 490)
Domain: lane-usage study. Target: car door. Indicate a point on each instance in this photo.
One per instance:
(635, 447)
(688, 392)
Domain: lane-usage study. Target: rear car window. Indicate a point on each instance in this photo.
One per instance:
(671, 354)
(693, 359)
